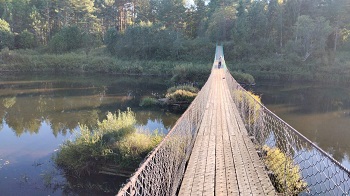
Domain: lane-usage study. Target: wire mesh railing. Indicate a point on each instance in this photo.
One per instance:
(296, 165)
(163, 170)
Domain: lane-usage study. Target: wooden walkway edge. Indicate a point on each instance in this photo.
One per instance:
(224, 160)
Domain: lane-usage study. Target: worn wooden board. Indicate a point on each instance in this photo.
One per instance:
(224, 160)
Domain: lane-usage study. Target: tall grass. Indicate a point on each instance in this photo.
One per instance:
(115, 141)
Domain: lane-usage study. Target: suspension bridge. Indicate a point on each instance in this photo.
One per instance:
(228, 143)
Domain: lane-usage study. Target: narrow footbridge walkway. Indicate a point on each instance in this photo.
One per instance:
(228, 143)
(224, 160)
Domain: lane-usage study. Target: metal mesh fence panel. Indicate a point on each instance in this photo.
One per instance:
(162, 171)
(295, 164)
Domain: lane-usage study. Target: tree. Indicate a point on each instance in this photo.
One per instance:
(111, 39)
(19, 15)
(68, 39)
(311, 35)
(220, 25)
(6, 36)
(241, 30)
(196, 20)
(25, 40)
(171, 13)
(4, 26)
(83, 15)
(257, 21)
(38, 25)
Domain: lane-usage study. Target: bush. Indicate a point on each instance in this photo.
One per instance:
(6, 36)
(186, 72)
(134, 147)
(25, 40)
(67, 39)
(114, 141)
(110, 39)
(181, 96)
(148, 102)
(284, 171)
(189, 88)
(243, 77)
(182, 93)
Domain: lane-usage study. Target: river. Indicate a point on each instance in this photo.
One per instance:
(321, 112)
(38, 112)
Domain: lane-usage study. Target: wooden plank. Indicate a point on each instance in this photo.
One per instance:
(224, 160)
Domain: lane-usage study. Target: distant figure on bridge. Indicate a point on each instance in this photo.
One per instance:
(219, 64)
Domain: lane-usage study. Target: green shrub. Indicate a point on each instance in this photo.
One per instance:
(67, 39)
(185, 72)
(182, 93)
(25, 40)
(287, 178)
(243, 77)
(181, 96)
(252, 101)
(189, 88)
(134, 147)
(115, 141)
(6, 36)
(148, 102)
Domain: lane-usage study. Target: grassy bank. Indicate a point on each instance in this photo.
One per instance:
(293, 69)
(100, 62)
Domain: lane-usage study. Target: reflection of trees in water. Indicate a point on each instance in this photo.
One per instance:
(309, 99)
(62, 104)
(62, 114)
(2, 115)
(9, 102)
(321, 113)
(23, 117)
(93, 185)
(168, 119)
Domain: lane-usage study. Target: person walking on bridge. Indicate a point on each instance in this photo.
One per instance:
(219, 64)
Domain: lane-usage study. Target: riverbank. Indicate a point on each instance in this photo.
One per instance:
(287, 68)
(98, 62)
(278, 68)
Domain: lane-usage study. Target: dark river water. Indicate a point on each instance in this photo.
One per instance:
(320, 112)
(39, 112)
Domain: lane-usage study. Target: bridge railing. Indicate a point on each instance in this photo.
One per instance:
(295, 164)
(163, 169)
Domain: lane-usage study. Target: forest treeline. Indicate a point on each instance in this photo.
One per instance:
(293, 39)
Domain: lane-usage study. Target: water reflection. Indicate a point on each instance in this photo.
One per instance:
(39, 112)
(320, 112)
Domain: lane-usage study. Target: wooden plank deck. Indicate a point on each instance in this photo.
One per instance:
(223, 159)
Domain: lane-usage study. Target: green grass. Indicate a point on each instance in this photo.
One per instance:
(114, 141)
